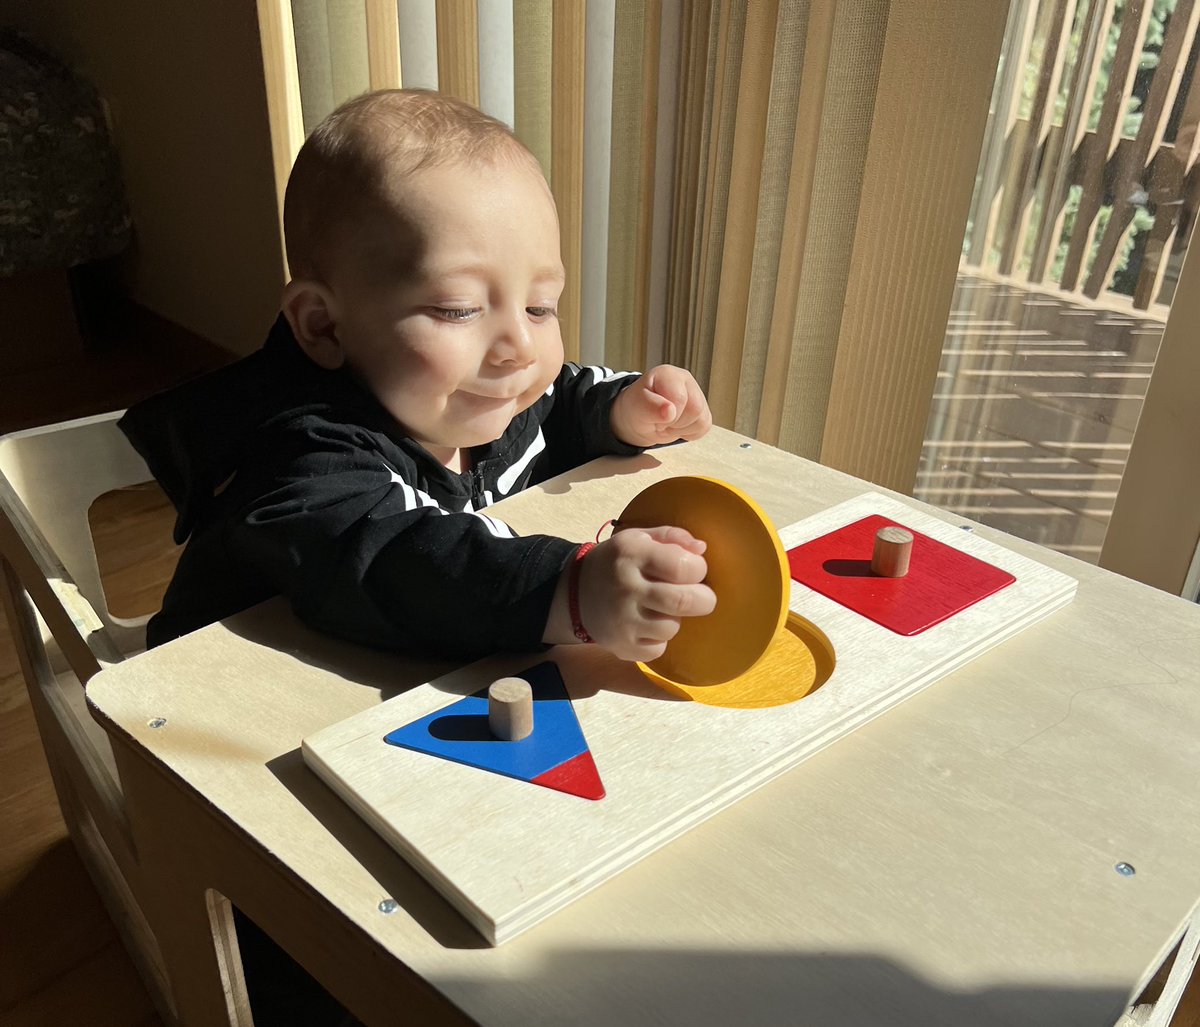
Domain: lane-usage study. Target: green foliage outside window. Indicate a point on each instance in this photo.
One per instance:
(1124, 277)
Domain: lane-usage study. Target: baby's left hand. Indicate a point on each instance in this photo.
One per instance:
(664, 405)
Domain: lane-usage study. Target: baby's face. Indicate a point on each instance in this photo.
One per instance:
(468, 336)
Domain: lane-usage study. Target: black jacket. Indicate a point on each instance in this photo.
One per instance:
(289, 479)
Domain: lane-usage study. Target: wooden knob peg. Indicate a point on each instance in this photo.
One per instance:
(893, 548)
(510, 709)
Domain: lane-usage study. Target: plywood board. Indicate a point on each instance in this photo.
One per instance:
(507, 853)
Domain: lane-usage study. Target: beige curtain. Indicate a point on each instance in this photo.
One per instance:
(825, 158)
(786, 181)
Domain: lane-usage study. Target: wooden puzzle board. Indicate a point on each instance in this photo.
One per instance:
(507, 853)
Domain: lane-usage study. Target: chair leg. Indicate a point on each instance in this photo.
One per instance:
(193, 923)
(199, 947)
(89, 798)
(190, 858)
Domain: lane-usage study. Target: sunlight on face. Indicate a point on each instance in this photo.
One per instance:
(468, 336)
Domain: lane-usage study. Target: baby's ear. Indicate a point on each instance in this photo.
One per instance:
(310, 309)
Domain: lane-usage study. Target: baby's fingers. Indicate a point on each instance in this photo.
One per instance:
(656, 627)
(645, 650)
(671, 535)
(675, 601)
(673, 565)
(694, 424)
(654, 408)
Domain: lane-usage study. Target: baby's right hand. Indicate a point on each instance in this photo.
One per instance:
(635, 588)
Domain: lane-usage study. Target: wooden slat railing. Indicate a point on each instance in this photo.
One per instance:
(1031, 141)
(1099, 146)
(1032, 167)
(1082, 77)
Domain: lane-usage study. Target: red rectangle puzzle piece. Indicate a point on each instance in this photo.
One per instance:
(941, 580)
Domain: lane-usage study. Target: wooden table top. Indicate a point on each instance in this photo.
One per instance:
(951, 862)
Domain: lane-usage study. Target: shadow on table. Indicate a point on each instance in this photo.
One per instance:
(586, 669)
(635, 986)
(273, 625)
(767, 989)
(604, 467)
(396, 878)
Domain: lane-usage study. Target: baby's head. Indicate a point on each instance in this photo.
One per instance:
(424, 251)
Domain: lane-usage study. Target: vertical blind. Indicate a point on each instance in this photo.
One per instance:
(742, 188)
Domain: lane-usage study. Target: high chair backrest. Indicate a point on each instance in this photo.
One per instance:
(56, 607)
(49, 478)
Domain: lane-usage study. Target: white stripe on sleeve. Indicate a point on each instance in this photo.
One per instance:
(607, 374)
(509, 478)
(414, 499)
(497, 528)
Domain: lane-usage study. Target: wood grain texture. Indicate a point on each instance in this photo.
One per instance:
(61, 955)
(78, 751)
(533, 46)
(635, 112)
(458, 49)
(556, 849)
(1179, 972)
(566, 161)
(56, 473)
(1155, 526)
(1104, 141)
(383, 44)
(284, 110)
(949, 863)
(893, 550)
(943, 581)
(693, 51)
(135, 553)
(908, 234)
(818, 41)
(510, 709)
(742, 214)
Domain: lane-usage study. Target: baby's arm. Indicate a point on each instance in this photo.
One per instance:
(663, 405)
(362, 551)
(592, 411)
(634, 590)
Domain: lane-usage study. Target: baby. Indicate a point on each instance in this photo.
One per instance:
(415, 376)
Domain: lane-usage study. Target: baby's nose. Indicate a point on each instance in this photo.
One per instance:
(513, 342)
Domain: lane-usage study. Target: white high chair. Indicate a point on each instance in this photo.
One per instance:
(64, 634)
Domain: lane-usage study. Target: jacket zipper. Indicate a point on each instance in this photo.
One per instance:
(477, 489)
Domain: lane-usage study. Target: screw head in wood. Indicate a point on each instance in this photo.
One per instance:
(510, 709)
(893, 549)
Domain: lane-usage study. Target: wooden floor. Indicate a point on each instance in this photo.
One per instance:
(61, 960)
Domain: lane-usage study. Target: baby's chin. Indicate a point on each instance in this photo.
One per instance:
(485, 427)
(476, 435)
(471, 427)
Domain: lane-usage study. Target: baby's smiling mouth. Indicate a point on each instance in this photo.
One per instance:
(486, 397)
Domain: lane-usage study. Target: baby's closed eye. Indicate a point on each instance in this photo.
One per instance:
(455, 313)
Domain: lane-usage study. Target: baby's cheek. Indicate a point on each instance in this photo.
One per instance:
(536, 391)
(430, 371)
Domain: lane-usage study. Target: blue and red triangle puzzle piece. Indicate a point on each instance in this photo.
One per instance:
(555, 756)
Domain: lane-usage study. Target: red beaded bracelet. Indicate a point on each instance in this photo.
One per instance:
(581, 632)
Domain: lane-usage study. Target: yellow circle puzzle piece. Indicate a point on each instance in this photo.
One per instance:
(747, 569)
(750, 652)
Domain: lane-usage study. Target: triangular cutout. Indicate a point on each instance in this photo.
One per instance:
(555, 756)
